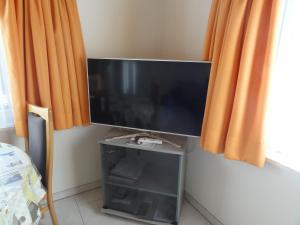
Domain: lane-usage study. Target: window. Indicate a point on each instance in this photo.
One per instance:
(283, 116)
(6, 115)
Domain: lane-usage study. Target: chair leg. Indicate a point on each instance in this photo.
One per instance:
(52, 209)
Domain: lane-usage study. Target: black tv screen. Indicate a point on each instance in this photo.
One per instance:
(163, 96)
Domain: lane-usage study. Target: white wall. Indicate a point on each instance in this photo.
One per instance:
(240, 194)
(76, 157)
(185, 24)
(121, 28)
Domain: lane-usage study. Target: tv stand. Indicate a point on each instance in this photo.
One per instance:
(142, 182)
(142, 135)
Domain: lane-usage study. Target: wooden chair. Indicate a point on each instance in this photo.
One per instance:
(39, 146)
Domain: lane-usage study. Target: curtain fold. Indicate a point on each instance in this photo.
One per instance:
(46, 58)
(241, 41)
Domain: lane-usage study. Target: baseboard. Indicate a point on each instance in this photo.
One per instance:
(76, 190)
(204, 212)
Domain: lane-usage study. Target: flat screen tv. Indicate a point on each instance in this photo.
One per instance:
(154, 95)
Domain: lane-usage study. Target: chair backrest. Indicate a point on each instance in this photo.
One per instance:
(40, 141)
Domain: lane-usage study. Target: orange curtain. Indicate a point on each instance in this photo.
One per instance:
(46, 60)
(240, 42)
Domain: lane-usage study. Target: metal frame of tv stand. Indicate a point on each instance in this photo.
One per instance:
(115, 138)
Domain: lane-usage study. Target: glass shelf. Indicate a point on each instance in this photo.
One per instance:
(155, 179)
(143, 205)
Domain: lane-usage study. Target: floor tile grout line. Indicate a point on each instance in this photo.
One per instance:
(77, 205)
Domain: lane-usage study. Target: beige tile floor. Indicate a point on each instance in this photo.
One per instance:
(84, 209)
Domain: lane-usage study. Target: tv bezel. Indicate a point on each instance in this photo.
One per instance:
(133, 128)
